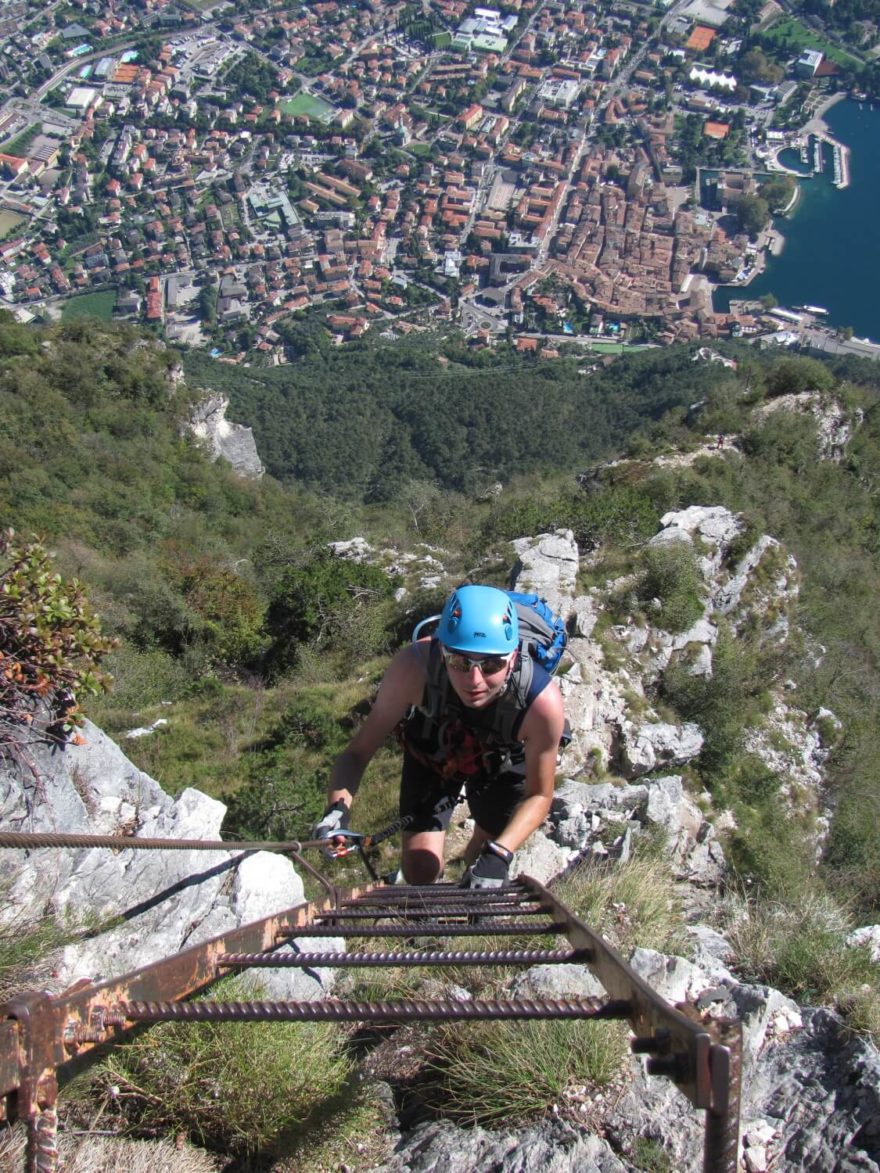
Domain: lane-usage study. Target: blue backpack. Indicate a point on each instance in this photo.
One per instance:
(541, 631)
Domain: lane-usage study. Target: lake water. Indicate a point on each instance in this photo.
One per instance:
(832, 241)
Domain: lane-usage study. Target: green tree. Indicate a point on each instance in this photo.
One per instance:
(755, 66)
(314, 601)
(789, 376)
(753, 214)
(778, 191)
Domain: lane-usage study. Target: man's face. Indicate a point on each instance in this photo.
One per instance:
(477, 680)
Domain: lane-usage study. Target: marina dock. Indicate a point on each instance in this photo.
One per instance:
(840, 157)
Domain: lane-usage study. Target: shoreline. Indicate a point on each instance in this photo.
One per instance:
(815, 271)
(773, 240)
(818, 119)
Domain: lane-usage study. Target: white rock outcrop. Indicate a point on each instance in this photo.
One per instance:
(835, 425)
(233, 442)
(159, 902)
(548, 565)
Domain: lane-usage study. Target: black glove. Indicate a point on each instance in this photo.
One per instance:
(334, 819)
(490, 870)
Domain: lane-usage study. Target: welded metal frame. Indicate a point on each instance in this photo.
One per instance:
(41, 1035)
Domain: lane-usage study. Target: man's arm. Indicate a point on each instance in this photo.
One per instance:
(402, 686)
(541, 731)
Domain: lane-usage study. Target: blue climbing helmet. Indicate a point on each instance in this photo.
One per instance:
(479, 619)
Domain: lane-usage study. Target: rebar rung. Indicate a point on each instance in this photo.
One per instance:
(436, 892)
(446, 957)
(440, 910)
(432, 929)
(398, 1010)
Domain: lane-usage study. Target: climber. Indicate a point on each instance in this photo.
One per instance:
(469, 711)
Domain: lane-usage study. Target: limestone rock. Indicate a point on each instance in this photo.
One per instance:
(540, 858)
(234, 442)
(548, 565)
(557, 981)
(818, 1088)
(834, 425)
(651, 746)
(713, 526)
(867, 935)
(585, 611)
(161, 902)
(354, 550)
(762, 589)
(553, 1147)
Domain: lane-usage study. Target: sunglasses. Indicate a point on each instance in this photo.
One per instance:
(488, 665)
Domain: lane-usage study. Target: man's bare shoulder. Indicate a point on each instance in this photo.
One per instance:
(407, 672)
(546, 715)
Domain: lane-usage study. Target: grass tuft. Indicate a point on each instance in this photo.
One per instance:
(25, 946)
(800, 947)
(631, 904)
(496, 1072)
(237, 1088)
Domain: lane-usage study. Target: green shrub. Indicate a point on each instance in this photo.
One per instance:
(671, 576)
(853, 852)
(770, 849)
(286, 775)
(142, 679)
(790, 376)
(650, 1156)
(322, 602)
(723, 704)
(51, 646)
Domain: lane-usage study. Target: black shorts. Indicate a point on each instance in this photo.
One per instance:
(424, 794)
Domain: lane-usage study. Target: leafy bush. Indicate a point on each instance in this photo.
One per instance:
(853, 852)
(51, 646)
(323, 600)
(142, 679)
(286, 784)
(790, 376)
(723, 704)
(602, 512)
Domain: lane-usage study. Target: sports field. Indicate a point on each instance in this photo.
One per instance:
(9, 221)
(94, 305)
(308, 105)
(618, 347)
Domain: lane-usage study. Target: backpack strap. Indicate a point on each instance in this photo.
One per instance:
(436, 692)
(512, 706)
(500, 736)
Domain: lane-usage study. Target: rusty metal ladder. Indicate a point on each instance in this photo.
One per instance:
(41, 1034)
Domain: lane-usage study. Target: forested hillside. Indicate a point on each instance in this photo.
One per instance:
(228, 604)
(362, 421)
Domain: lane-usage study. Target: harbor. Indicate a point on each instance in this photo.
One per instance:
(832, 239)
(801, 143)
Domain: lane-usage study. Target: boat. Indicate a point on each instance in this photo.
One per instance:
(811, 309)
